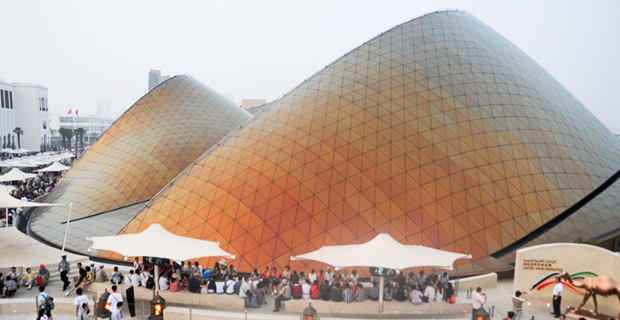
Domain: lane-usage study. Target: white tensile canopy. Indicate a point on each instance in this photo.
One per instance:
(383, 252)
(16, 175)
(156, 241)
(7, 201)
(54, 167)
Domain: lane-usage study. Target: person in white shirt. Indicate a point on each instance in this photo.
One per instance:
(517, 304)
(230, 286)
(557, 297)
(164, 284)
(117, 277)
(329, 276)
(79, 301)
(14, 274)
(198, 269)
(128, 279)
(305, 289)
(355, 278)
(312, 276)
(116, 312)
(247, 294)
(219, 285)
(478, 298)
(415, 294)
(137, 264)
(135, 280)
(144, 277)
(114, 297)
(429, 291)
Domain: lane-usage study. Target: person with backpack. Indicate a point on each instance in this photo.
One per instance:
(114, 298)
(45, 302)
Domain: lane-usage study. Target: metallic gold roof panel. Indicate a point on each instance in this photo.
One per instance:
(143, 150)
(439, 132)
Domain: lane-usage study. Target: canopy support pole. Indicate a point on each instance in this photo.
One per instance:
(7, 218)
(381, 287)
(156, 281)
(64, 240)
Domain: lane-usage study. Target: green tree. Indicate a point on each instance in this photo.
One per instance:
(66, 134)
(18, 131)
(79, 132)
(53, 132)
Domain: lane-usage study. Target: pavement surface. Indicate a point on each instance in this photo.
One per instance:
(19, 249)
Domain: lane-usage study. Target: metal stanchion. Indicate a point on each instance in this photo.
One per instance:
(190, 312)
(246, 314)
(492, 310)
(142, 310)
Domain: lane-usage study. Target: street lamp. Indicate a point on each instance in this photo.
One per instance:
(157, 308)
(309, 313)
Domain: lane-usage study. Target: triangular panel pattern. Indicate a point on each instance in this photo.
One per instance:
(142, 151)
(439, 132)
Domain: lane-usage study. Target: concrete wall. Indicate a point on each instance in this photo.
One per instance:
(536, 262)
(484, 281)
(28, 116)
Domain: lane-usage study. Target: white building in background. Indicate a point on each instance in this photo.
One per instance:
(156, 78)
(90, 122)
(104, 108)
(24, 106)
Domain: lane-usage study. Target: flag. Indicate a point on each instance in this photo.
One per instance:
(76, 112)
(70, 111)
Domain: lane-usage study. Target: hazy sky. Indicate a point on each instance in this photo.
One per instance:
(84, 50)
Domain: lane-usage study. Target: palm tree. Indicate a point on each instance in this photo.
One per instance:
(65, 133)
(18, 131)
(80, 132)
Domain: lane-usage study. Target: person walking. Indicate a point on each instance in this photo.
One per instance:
(517, 304)
(79, 301)
(63, 269)
(557, 297)
(42, 301)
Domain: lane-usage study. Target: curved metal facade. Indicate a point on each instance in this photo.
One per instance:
(439, 132)
(142, 151)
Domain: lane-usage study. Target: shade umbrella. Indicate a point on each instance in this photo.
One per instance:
(8, 201)
(385, 252)
(16, 175)
(54, 167)
(156, 241)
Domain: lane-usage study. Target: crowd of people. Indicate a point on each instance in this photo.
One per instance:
(13, 280)
(289, 284)
(28, 190)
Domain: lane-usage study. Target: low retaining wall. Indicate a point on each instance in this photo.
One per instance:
(484, 281)
(28, 305)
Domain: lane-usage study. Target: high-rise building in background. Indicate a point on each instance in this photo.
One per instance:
(156, 78)
(24, 106)
(104, 108)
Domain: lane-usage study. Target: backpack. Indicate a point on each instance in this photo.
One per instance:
(49, 303)
(150, 283)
